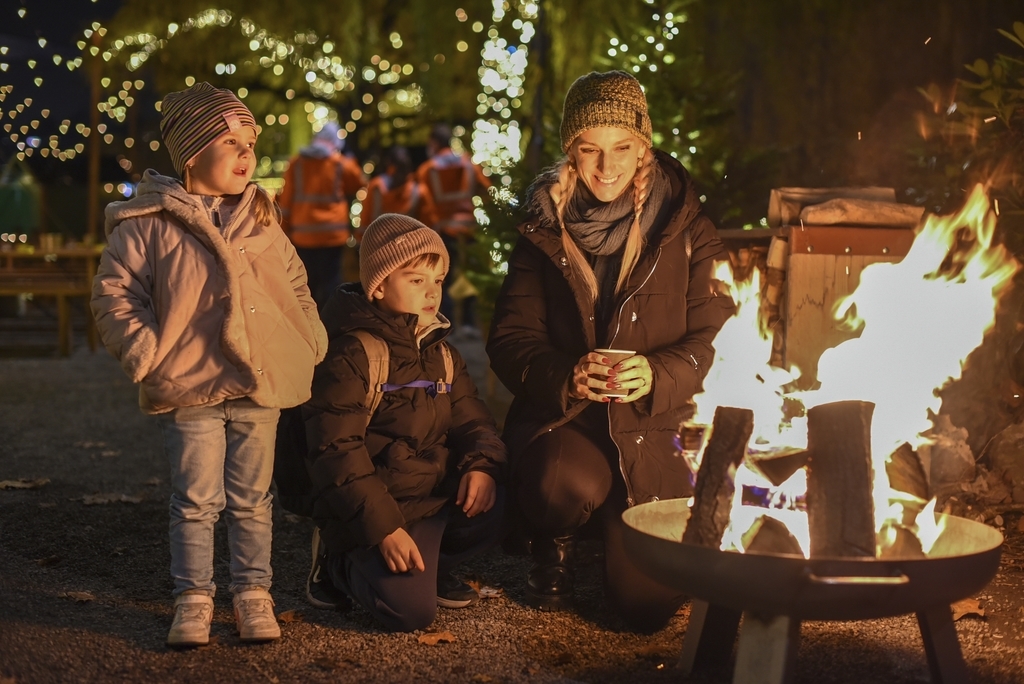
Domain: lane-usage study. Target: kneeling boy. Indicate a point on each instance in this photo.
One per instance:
(403, 495)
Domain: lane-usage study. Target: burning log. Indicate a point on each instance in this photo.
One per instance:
(713, 494)
(779, 465)
(768, 535)
(840, 509)
(906, 474)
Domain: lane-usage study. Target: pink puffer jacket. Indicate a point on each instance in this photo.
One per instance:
(199, 314)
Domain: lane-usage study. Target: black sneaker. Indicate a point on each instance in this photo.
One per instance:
(320, 592)
(454, 593)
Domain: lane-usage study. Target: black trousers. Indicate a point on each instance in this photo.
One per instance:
(407, 601)
(569, 475)
(323, 271)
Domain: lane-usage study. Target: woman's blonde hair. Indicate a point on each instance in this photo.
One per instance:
(561, 192)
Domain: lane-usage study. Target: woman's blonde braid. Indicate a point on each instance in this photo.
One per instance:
(561, 191)
(635, 239)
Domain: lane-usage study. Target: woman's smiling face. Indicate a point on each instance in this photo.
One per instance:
(606, 160)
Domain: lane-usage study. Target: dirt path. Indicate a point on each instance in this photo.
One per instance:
(84, 592)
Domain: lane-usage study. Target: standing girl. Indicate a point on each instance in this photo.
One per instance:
(204, 301)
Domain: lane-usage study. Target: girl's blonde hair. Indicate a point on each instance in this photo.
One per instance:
(562, 190)
(264, 208)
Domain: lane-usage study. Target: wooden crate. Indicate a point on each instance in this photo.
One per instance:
(824, 264)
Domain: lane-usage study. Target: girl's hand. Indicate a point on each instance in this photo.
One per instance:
(583, 382)
(477, 493)
(401, 553)
(635, 375)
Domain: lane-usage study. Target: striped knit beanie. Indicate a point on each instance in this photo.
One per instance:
(613, 98)
(193, 118)
(390, 241)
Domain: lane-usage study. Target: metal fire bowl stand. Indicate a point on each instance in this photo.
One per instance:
(774, 592)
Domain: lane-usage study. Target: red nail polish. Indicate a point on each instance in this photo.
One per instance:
(605, 361)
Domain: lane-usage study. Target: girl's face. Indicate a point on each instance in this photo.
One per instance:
(226, 165)
(606, 160)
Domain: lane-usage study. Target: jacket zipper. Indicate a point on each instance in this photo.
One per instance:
(611, 345)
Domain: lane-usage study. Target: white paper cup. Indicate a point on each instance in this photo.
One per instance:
(613, 356)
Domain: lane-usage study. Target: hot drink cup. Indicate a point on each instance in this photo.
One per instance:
(614, 356)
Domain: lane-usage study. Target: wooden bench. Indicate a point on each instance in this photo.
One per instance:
(48, 282)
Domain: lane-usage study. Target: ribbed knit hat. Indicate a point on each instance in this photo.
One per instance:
(192, 119)
(390, 241)
(613, 98)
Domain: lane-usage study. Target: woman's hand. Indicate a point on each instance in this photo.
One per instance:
(635, 375)
(590, 374)
(477, 493)
(401, 553)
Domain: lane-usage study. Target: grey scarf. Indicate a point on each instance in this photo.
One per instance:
(601, 228)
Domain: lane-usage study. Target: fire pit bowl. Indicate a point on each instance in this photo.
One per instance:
(963, 560)
(781, 590)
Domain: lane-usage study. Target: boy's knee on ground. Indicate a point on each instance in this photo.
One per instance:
(409, 614)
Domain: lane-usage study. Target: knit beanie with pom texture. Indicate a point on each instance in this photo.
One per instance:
(612, 98)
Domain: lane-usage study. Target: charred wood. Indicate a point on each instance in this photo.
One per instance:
(713, 494)
(768, 535)
(778, 466)
(840, 508)
(906, 474)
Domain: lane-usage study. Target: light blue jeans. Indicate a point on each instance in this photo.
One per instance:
(222, 459)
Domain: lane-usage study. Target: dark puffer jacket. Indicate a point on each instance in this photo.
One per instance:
(544, 323)
(367, 481)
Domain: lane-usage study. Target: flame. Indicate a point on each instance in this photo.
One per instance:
(918, 320)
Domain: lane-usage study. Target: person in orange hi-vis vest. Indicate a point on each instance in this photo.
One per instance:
(315, 205)
(395, 191)
(450, 180)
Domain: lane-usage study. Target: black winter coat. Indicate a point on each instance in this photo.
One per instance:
(669, 312)
(368, 481)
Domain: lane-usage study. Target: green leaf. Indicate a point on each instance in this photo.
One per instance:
(992, 96)
(980, 67)
(1010, 36)
(1018, 28)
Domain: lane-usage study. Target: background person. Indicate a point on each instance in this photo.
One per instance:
(315, 206)
(616, 253)
(204, 302)
(394, 191)
(450, 180)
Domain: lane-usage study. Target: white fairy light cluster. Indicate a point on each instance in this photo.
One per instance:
(496, 135)
(325, 73)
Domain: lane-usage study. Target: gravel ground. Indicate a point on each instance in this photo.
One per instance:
(76, 423)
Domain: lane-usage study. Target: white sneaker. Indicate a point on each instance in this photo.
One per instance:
(254, 615)
(192, 616)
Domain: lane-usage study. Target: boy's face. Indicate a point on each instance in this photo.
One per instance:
(412, 290)
(225, 167)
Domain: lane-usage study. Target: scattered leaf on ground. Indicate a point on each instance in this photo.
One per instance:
(292, 518)
(481, 678)
(78, 596)
(289, 616)
(90, 445)
(47, 504)
(532, 669)
(109, 453)
(152, 482)
(24, 483)
(490, 592)
(435, 638)
(48, 561)
(967, 607)
(101, 499)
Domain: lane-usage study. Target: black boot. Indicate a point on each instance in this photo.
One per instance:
(549, 582)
